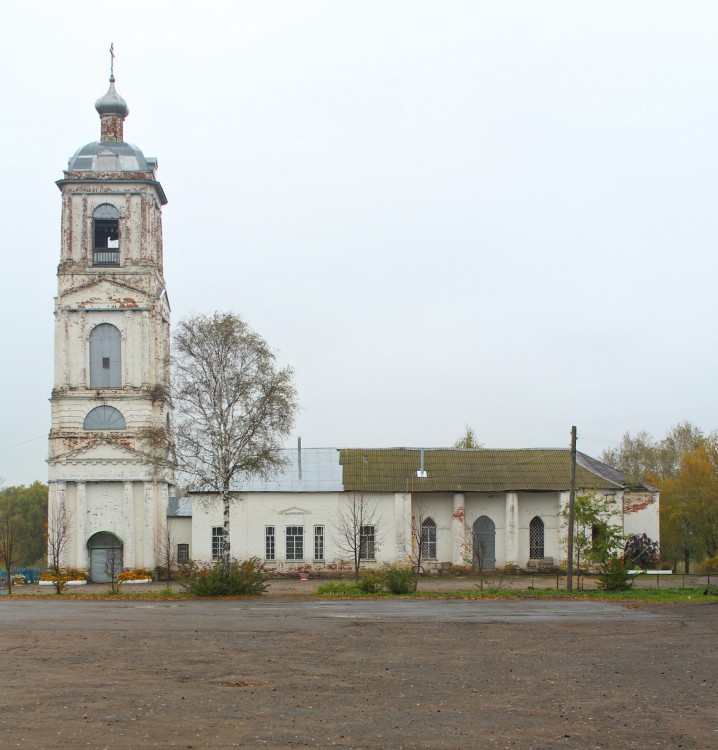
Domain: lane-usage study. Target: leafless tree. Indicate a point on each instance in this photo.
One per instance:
(113, 566)
(233, 407)
(58, 530)
(9, 531)
(419, 540)
(357, 528)
(166, 548)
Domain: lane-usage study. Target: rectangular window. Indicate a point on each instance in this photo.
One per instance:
(105, 363)
(318, 542)
(182, 554)
(217, 542)
(366, 542)
(295, 542)
(269, 553)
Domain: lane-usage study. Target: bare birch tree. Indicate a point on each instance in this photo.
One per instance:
(233, 407)
(58, 531)
(166, 548)
(357, 529)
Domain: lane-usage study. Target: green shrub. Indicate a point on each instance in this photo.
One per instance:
(512, 569)
(244, 579)
(400, 580)
(338, 588)
(372, 581)
(614, 575)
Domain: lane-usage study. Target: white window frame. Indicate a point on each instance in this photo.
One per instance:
(319, 543)
(270, 543)
(367, 542)
(217, 542)
(294, 539)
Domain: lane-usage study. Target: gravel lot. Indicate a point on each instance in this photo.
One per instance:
(290, 673)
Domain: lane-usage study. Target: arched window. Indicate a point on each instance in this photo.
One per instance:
(106, 250)
(105, 348)
(428, 539)
(104, 418)
(536, 550)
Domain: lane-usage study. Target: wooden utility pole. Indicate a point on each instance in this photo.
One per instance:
(571, 504)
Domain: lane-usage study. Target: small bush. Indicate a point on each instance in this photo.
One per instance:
(400, 580)
(339, 589)
(708, 566)
(372, 581)
(614, 575)
(244, 579)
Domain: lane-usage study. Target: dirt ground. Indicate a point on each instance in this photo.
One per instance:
(291, 673)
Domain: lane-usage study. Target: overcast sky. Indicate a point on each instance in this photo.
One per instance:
(500, 213)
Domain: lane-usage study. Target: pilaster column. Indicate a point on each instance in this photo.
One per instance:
(146, 348)
(82, 356)
(128, 513)
(127, 354)
(458, 529)
(402, 520)
(511, 528)
(81, 525)
(150, 539)
(62, 341)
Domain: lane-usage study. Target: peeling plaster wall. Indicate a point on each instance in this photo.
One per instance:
(109, 478)
(641, 514)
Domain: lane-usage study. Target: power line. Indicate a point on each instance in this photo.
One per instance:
(24, 442)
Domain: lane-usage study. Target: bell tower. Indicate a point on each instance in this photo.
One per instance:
(111, 413)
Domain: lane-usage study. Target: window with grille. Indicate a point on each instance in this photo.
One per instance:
(428, 539)
(318, 542)
(269, 543)
(182, 554)
(295, 542)
(366, 542)
(536, 547)
(217, 542)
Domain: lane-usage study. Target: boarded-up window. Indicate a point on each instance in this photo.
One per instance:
(105, 348)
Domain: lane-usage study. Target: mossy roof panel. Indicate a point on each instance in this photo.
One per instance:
(465, 470)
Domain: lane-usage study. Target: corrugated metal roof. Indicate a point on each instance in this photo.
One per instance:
(179, 506)
(448, 470)
(320, 472)
(467, 470)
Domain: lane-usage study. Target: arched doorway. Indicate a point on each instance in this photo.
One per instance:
(484, 543)
(105, 557)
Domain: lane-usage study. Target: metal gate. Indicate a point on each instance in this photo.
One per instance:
(484, 543)
(105, 557)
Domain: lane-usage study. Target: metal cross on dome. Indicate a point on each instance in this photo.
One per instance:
(112, 60)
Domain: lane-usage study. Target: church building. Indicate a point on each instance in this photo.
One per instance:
(111, 413)
(112, 419)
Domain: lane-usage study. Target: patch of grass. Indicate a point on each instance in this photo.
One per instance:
(339, 589)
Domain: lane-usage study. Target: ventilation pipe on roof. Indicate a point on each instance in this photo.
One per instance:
(299, 456)
(421, 473)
